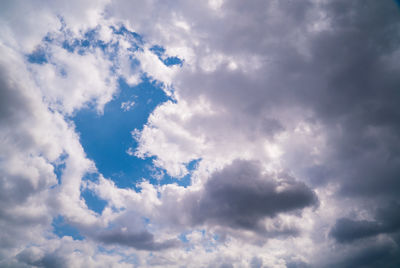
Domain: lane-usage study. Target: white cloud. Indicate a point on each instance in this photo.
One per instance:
(127, 105)
(71, 80)
(32, 138)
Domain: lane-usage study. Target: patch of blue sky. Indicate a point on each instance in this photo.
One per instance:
(186, 242)
(158, 50)
(92, 201)
(89, 41)
(168, 61)
(146, 221)
(134, 63)
(182, 237)
(122, 30)
(91, 176)
(216, 237)
(136, 40)
(70, 45)
(39, 56)
(59, 166)
(107, 137)
(61, 228)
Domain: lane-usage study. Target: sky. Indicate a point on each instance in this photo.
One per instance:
(219, 133)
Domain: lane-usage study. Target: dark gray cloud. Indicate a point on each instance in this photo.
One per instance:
(140, 240)
(49, 260)
(359, 102)
(347, 230)
(376, 254)
(240, 196)
(387, 221)
(10, 113)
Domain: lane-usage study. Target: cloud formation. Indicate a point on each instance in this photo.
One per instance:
(387, 221)
(142, 241)
(280, 131)
(239, 196)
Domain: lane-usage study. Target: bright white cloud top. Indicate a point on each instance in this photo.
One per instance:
(220, 133)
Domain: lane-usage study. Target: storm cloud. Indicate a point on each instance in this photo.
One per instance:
(387, 221)
(240, 196)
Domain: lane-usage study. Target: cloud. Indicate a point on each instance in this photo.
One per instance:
(49, 260)
(35, 138)
(141, 240)
(66, 252)
(256, 262)
(240, 196)
(127, 106)
(377, 254)
(25, 170)
(312, 83)
(347, 230)
(304, 93)
(387, 221)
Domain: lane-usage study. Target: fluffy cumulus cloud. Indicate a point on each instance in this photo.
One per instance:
(257, 133)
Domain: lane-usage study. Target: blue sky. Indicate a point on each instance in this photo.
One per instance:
(108, 146)
(107, 137)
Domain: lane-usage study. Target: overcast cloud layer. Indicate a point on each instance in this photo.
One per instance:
(283, 116)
